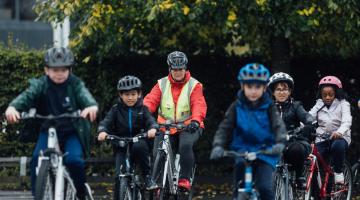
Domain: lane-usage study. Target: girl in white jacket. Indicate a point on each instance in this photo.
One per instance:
(332, 112)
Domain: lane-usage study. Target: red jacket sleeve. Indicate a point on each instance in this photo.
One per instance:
(152, 100)
(198, 104)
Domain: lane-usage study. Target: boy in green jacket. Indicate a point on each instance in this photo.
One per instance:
(57, 92)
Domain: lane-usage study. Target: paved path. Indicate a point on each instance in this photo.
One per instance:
(26, 195)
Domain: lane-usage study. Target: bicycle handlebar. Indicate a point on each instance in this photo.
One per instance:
(123, 141)
(248, 155)
(32, 115)
(178, 126)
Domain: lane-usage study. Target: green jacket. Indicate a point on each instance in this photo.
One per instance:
(79, 95)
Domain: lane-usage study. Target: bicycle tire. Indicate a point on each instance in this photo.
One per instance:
(243, 196)
(124, 189)
(69, 192)
(303, 194)
(157, 174)
(356, 177)
(348, 180)
(45, 182)
(279, 186)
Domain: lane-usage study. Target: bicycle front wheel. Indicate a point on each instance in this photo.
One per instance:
(124, 189)
(298, 193)
(356, 177)
(280, 190)
(69, 190)
(45, 182)
(343, 191)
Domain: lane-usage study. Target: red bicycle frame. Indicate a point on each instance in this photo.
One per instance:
(316, 159)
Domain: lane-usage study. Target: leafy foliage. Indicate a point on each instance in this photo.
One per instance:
(103, 29)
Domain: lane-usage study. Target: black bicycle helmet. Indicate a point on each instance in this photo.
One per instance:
(177, 60)
(129, 83)
(59, 57)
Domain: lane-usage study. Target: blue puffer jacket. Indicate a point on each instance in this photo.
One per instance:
(252, 127)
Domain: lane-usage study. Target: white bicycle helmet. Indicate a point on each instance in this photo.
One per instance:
(281, 77)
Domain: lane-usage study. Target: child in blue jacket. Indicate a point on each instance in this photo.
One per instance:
(253, 123)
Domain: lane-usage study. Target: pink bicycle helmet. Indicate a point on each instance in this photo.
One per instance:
(330, 80)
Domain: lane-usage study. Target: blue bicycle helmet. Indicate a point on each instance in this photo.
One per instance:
(254, 72)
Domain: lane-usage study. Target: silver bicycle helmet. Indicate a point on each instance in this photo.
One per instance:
(177, 60)
(59, 57)
(129, 83)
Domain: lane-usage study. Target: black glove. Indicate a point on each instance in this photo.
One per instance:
(216, 153)
(308, 131)
(193, 126)
(277, 149)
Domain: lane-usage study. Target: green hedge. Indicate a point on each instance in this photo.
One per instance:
(17, 65)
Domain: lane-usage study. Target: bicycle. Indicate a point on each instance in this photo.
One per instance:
(166, 169)
(248, 191)
(130, 187)
(324, 185)
(53, 180)
(355, 169)
(285, 179)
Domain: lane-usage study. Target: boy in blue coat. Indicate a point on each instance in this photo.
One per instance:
(254, 123)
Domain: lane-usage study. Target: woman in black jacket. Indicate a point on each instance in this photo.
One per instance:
(293, 114)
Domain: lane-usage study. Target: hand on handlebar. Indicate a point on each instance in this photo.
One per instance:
(151, 133)
(308, 131)
(193, 126)
(336, 135)
(217, 153)
(12, 115)
(102, 136)
(277, 149)
(90, 112)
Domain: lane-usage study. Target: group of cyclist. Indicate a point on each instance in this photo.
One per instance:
(260, 118)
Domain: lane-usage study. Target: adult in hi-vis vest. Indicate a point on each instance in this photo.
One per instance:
(179, 98)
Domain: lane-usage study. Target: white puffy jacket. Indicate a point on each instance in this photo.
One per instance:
(336, 118)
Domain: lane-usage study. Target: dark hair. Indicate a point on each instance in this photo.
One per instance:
(339, 92)
(138, 90)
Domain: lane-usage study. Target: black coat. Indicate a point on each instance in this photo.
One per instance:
(293, 112)
(116, 121)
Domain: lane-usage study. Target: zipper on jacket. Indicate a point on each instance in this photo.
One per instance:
(130, 122)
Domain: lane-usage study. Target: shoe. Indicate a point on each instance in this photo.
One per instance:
(184, 184)
(301, 182)
(150, 183)
(339, 178)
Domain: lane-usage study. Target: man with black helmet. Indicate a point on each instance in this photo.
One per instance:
(127, 118)
(179, 97)
(59, 91)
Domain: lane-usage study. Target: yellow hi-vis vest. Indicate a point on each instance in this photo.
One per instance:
(167, 110)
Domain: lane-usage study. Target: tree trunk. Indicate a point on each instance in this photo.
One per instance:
(280, 54)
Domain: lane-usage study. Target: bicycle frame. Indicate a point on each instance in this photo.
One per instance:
(57, 166)
(248, 188)
(129, 170)
(316, 159)
(54, 155)
(168, 169)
